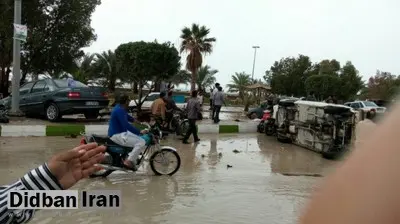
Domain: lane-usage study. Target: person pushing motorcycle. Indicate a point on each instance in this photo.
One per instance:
(120, 123)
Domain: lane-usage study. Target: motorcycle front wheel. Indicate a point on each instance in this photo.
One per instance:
(165, 162)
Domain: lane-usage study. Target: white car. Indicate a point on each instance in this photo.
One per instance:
(148, 101)
(366, 106)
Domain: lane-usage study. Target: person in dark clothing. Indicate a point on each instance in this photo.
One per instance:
(170, 108)
(329, 99)
(334, 100)
(193, 109)
(311, 97)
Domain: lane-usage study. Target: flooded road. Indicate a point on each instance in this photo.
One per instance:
(252, 190)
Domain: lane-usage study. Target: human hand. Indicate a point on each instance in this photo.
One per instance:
(144, 131)
(71, 166)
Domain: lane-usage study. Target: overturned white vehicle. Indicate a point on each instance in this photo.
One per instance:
(321, 127)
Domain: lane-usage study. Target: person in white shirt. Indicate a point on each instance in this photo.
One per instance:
(214, 91)
(200, 97)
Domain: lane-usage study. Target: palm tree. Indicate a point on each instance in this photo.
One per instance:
(195, 42)
(182, 77)
(106, 67)
(84, 70)
(206, 77)
(239, 83)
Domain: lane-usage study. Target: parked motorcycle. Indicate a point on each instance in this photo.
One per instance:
(155, 154)
(3, 114)
(265, 117)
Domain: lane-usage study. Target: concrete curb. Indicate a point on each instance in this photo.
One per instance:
(70, 129)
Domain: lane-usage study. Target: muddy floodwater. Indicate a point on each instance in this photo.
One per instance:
(254, 184)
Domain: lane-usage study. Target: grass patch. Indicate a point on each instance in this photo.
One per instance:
(229, 129)
(62, 130)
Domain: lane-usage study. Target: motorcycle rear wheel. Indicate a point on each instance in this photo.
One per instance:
(184, 127)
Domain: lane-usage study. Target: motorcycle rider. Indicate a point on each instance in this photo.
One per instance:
(120, 123)
(158, 109)
(170, 108)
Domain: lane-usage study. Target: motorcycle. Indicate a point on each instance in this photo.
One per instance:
(154, 154)
(4, 114)
(178, 118)
(261, 125)
(270, 126)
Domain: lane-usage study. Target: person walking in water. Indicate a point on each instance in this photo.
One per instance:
(193, 110)
(218, 101)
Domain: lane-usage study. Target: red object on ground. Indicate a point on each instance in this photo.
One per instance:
(83, 141)
(266, 116)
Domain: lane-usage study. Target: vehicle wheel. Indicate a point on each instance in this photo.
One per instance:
(52, 112)
(253, 116)
(333, 154)
(160, 157)
(91, 114)
(269, 130)
(174, 124)
(260, 127)
(282, 139)
(184, 127)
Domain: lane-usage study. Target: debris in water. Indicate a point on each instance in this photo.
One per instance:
(236, 151)
(303, 174)
(220, 154)
(229, 166)
(237, 120)
(202, 155)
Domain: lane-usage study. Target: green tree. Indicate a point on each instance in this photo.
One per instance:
(84, 71)
(350, 82)
(195, 42)
(239, 83)
(106, 69)
(383, 86)
(323, 85)
(181, 77)
(206, 77)
(144, 62)
(288, 75)
(329, 67)
(58, 30)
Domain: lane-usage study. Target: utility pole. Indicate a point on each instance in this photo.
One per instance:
(254, 61)
(16, 62)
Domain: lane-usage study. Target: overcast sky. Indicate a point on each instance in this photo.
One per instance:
(364, 32)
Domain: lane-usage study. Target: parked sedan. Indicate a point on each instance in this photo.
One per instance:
(366, 106)
(54, 98)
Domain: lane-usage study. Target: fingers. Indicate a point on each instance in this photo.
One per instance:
(92, 152)
(92, 161)
(86, 173)
(75, 152)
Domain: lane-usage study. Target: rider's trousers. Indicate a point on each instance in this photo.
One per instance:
(137, 149)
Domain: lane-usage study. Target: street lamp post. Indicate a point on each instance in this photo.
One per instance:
(254, 61)
(16, 61)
